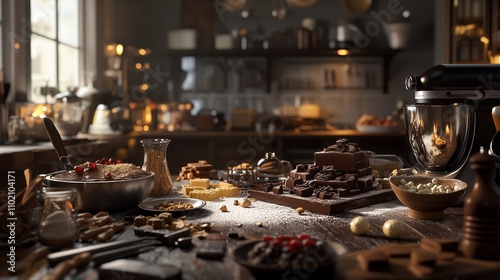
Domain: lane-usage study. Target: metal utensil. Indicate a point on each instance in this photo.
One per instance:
(56, 140)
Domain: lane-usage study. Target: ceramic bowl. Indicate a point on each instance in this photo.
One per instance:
(427, 206)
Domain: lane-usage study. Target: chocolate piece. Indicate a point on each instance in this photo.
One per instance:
(212, 249)
(313, 169)
(362, 172)
(365, 183)
(304, 191)
(372, 260)
(233, 235)
(184, 242)
(354, 192)
(166, 217)
(423, 257)
(439, 245)
(134, 269)
(290, 182)
(395, 250)
(301, 168)
(323, 158)
(278, 189)
(343, 192)
(345, 162)
(156, 223)
(420, 270)
(140, 221)
(326, 195)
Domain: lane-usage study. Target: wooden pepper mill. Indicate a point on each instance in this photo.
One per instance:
(481, 228)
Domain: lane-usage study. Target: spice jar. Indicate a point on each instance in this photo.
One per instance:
(155, 160)
(58, 221)
(17, 130)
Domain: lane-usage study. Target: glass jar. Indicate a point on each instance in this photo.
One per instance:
(155, 160)
(58, 226)
(17, 130)
(271, 167)
(68, 113)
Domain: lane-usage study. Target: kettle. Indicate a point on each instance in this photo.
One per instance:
(68, 112)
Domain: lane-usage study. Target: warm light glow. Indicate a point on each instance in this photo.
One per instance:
(119, 49)
(485, 40)
(40, 111)
(434, 129)
(143, 51)
(447, 131)
(144, 87)
(495, 59)
(342, 52)
(138, 66)
(17, 46)
(145, 128)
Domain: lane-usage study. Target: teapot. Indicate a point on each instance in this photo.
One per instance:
(271, 168)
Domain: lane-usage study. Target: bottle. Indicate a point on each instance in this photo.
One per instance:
(58, 227)
(155, 160)
(17, 130)
(481, 227)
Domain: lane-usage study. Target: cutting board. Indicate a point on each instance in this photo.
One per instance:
(347, 268)
(325, 206)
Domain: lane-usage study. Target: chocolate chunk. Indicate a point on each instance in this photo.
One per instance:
(233, 235)
(354, 192)
(343, 192)
(326, 195)
(301, 168)
(184, 242)
(304, 191)
(365, 183)
(439, 245)
(212, 250)
(323, 158)
(395, 250)
(372, 260)
(313, 169)
(423, 257)
(420, 270)
(365, 171)
(278, 189)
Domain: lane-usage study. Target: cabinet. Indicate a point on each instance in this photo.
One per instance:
(472, 31)
(271, 55)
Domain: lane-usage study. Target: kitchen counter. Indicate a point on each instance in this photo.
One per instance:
(278, 220)
(220, 148)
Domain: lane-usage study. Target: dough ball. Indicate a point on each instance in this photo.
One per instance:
(393, 228)
(360, 225)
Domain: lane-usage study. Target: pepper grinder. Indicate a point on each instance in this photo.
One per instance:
(481, 226)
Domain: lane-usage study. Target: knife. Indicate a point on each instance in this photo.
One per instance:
(56, 140)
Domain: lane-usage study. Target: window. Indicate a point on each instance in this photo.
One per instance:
(56, 47)
(1, 34)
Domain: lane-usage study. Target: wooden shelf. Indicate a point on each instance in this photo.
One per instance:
(385, 54)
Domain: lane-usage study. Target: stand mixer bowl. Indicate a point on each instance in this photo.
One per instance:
(440, 137)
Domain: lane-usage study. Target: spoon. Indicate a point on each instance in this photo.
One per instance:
(58, 144)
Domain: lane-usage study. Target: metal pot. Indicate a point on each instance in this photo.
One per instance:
(105, 195)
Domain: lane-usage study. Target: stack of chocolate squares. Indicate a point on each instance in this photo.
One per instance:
(340, 170)
(200, 169)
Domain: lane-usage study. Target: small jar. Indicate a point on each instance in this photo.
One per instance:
(271, 167)
(155, 160)
(58, 227)
(17, 130)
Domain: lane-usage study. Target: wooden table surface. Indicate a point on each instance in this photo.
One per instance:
(278, 220)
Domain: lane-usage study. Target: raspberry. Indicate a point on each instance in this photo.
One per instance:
(283, 237)
(308, 243)
(304, 236)
(267, 238)
(79, 170)
(111, 161)
(92, 166)
(108, 176)
(276, 243)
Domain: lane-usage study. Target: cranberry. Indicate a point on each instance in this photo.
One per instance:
(283, 237)
(308, 243)
(79, 170)
(111, 161)
(92, 166)
(296, 243)
(118, 161)
(276, 243)
(304, 236)
(267, 238)
(98, 161)
(108, 176)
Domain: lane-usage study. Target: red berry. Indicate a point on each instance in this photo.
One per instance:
(79, 170)
(304, 236)
(267, 238)
(118, 161)
(308, 243)
(92, 166)
(276, 243)
(295, 243)
(111, 161)
(98, 161)
(108, 176)
(283, 237)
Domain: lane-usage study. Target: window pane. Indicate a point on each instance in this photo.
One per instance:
(43, 17)
(68, 22)
(68, 67)
(43, 66)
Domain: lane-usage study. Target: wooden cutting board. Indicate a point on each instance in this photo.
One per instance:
(325, 206)
(347, 268)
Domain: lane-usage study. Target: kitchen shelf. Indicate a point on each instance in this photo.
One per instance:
(269, 54)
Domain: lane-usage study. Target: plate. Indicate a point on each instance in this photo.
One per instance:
(377, 129)
(149, 205)
(323, 261)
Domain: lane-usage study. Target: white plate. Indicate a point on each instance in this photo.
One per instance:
(149, 204)
(377, 129)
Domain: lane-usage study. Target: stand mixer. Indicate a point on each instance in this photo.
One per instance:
(452, 117)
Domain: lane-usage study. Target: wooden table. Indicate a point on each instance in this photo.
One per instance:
(277, 220)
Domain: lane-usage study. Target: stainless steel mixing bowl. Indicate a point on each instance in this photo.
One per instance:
(110, 195)
(440, 136)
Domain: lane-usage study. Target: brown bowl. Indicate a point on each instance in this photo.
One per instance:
(427, 206)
